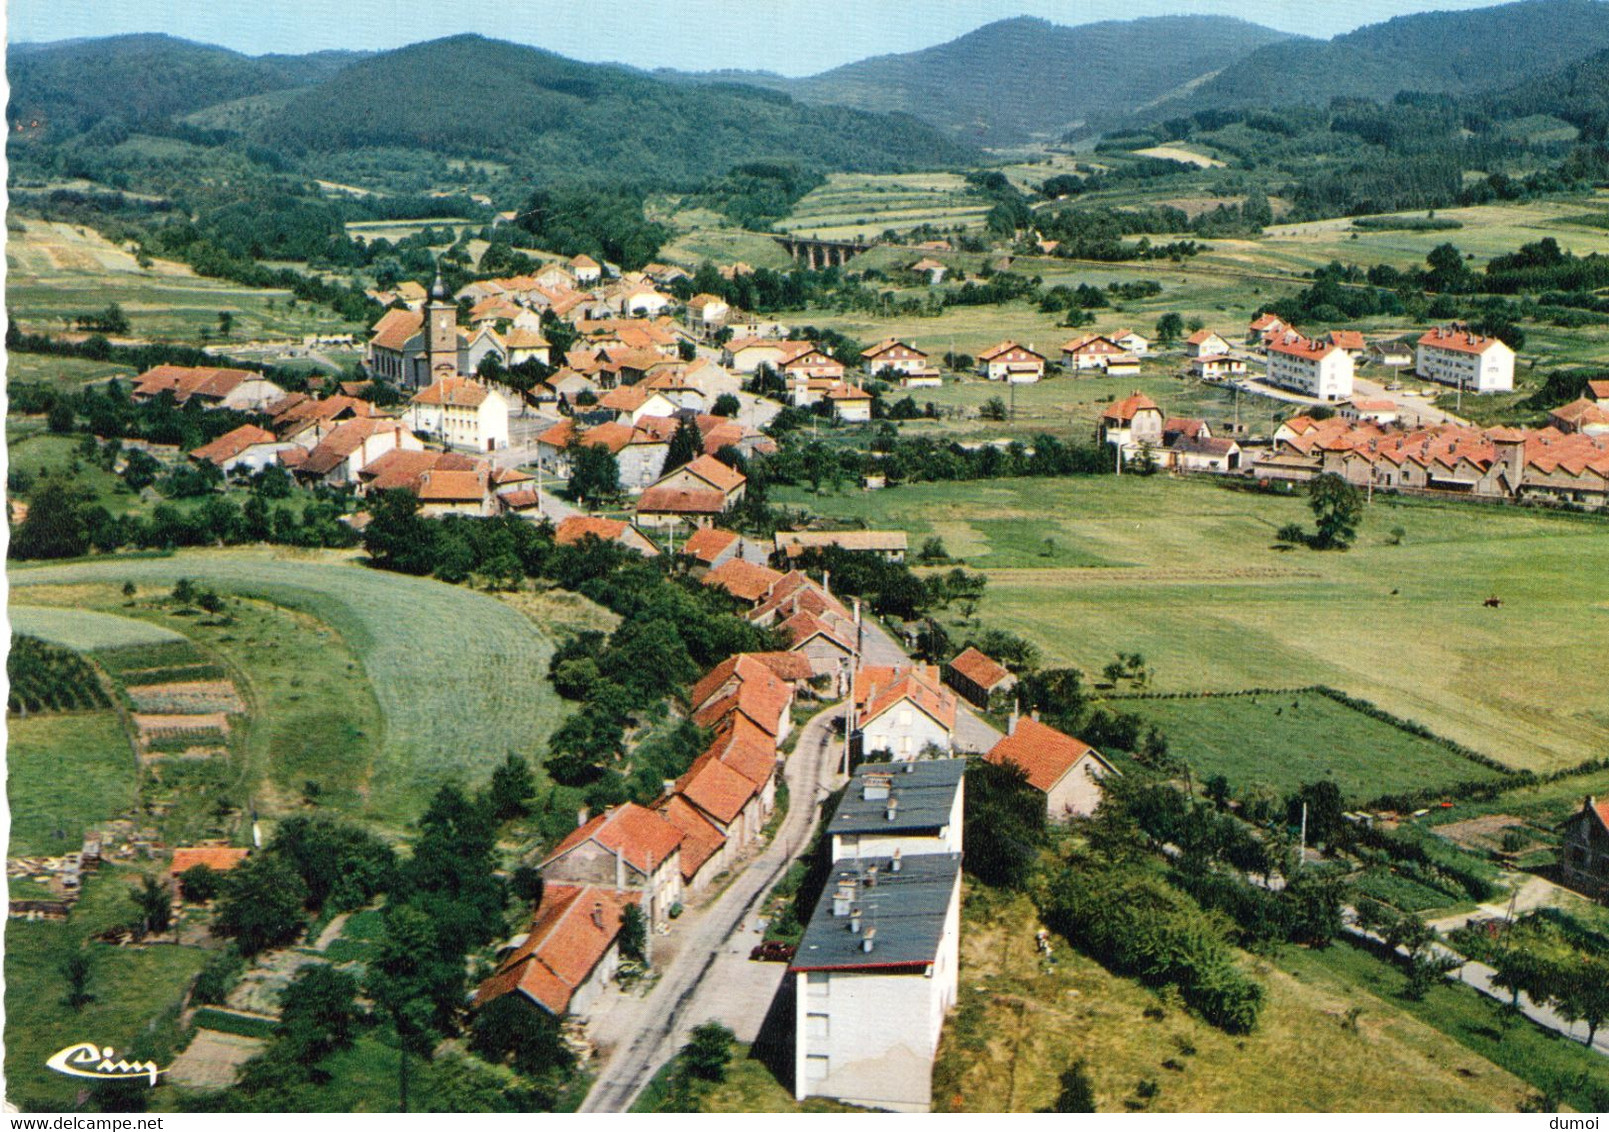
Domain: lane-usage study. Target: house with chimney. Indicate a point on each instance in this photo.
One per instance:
(712, 547)
(900, 809)
(1312, 367)
(1131, 424)
(627, 849)
(1067, 771)
(1455, 355)
(1090, 352)
(896, 360)
(874, 975)
(706, 473)
(1584, 862)
(566, 959)
(249, 447)
(575, 529)
(707, 313)
(978, 677)
(1011, 362)
(460, 412)
(349, 448)
(209, 387)
(903, 712)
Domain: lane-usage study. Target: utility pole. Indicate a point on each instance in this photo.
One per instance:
(1301, 858)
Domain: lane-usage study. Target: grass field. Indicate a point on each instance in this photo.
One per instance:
(1019, 1025)
(86, 629)
(65, 375)
(852, 205)
(44, 754)
(1285, 740)
(1187, 573)
(137, 991)
(460, 678)
(56, 271)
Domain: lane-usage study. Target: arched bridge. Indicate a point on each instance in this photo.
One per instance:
(821, 253)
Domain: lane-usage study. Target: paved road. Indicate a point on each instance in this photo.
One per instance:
(692, 990)
(971, 733)
(1415, 410)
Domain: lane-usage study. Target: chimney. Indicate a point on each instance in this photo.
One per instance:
(894, 864)
(876, 787)
(892, 811)
(843, 898)
(854, 921)
(597, 914)
(826, 582)
(869, 940)
(1034, 715)
(581, 817)
(1011, 720)
(857, 611)
(871, 877)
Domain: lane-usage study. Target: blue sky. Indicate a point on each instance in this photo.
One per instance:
(793, 37)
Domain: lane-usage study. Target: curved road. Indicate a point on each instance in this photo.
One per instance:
(684, 995)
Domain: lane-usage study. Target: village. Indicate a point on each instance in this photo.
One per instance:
(637, 435)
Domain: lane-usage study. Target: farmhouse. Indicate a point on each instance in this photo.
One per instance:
(1090, 351)
(1137, 344)
(1586, 848)
(977, 677)
(706, 852)
(577, 528)
(351, 446)
(875, 975)
(212, 388)
(661, 507)
(1010, 362)
(567, 957)
(1582, 416)
(744, 580)
(706, 473)
(931, 271)
(1456, 355)
(901, 361)
(632, 403)
(741, 685)
(1205, 342)
(1217, 367)
(586, 269)
(849, 402)
(745, 355)
(903, 711)
(712, 547)
(1264, 327)
(461, 413)
(1065, 770)
(246, 447)
(1316, 369)
(1203, 454)
(900, 810)
(626, 848)
(639, 453)
(1132, 423)
(888, 545)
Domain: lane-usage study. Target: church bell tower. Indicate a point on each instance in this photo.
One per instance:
(441, 333)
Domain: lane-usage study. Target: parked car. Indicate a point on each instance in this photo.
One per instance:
(772, 951)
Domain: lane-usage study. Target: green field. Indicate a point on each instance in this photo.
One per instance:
(1019, 1024)
(56, 271)
(459, 677)
(1285, 739)
(1191, 578)
(66, 772)
(61, 373)
(854, 205)
(85, 629)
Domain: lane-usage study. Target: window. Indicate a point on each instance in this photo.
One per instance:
(816, 1026)
(815, 1068)
(816, 982)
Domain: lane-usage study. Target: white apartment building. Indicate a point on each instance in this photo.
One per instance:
(1455, 355)
(900, 809)
(875, 975)
(1304, 365)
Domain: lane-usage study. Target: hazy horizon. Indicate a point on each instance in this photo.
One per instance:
(688, 35)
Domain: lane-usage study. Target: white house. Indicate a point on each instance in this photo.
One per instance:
(246, 447)
(1137, 344)
(1131, 424)
(461, 413)
(875, 975)
(1455, 355)
(1010, 362)
(585, 269)
(707, 313)
(1067, 771)
(901, 361)
(1303, 365)
(900, 809)
(1205, 342)
(903, 712)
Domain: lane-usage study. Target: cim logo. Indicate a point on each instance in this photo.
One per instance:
(86, 1059)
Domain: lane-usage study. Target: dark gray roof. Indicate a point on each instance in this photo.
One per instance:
(925, 789)
(905, 910)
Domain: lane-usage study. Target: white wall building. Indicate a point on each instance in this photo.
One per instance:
(461, 413)
(875, 976)
(1455, 355)
(1316, 369)
(907, 808)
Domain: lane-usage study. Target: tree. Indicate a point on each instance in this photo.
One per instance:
(686, 443)
(708, 1052)
(398, 537)
(318, 1014)
(1520, 971)
(726, 405)
(1337, 510)
(594, 473)
(1583, 995)
(55, 527)
(994, 409)
(1077, 1090)
(511, 1029)
(1004, 824)
(61, 417)
(154, 900)
(512, 787)
(76, 968)
(633, 934)
(1169, 328)
(261, 904)
(527, 884)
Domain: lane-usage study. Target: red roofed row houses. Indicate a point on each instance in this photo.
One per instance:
(248, 447)
(1011, 362)
(979, 678)
(460, 412)
(350, 447)
(1503, 463)
(567, 957)
(1585, 860)
(1217, 367)
(815, 623)
(895, 360)
(1205, 342)
(306, 420)
(1456, 355)
(711, 547)
(627, 848)
(903, 712)
(1311, 367)
(576, 528)
(1065, 770)
(213, 388)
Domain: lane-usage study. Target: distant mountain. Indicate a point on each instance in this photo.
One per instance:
(1453, 52)
(1022, 78)
(476, 97)
(1577, 93)
(313, 67)
(134, 79)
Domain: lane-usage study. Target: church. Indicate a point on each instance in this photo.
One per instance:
(414, 349)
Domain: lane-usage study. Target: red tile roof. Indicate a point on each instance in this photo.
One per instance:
(701, 839)
(233, 443)
(458, 391)
(1043, 752)
(440, 485)
(980, 669)
(640, 836)
(185, 382)
(219, 858)
(577, 527)
(716, 788)
(569, 935)
(678, 501)
(396, 327)
(916, 689)
(747, 581)
(1459, 339)
(719, 476)
(1126, 409)
(1297, 346)
(707, 543)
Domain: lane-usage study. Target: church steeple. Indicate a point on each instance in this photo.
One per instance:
(441, 331)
